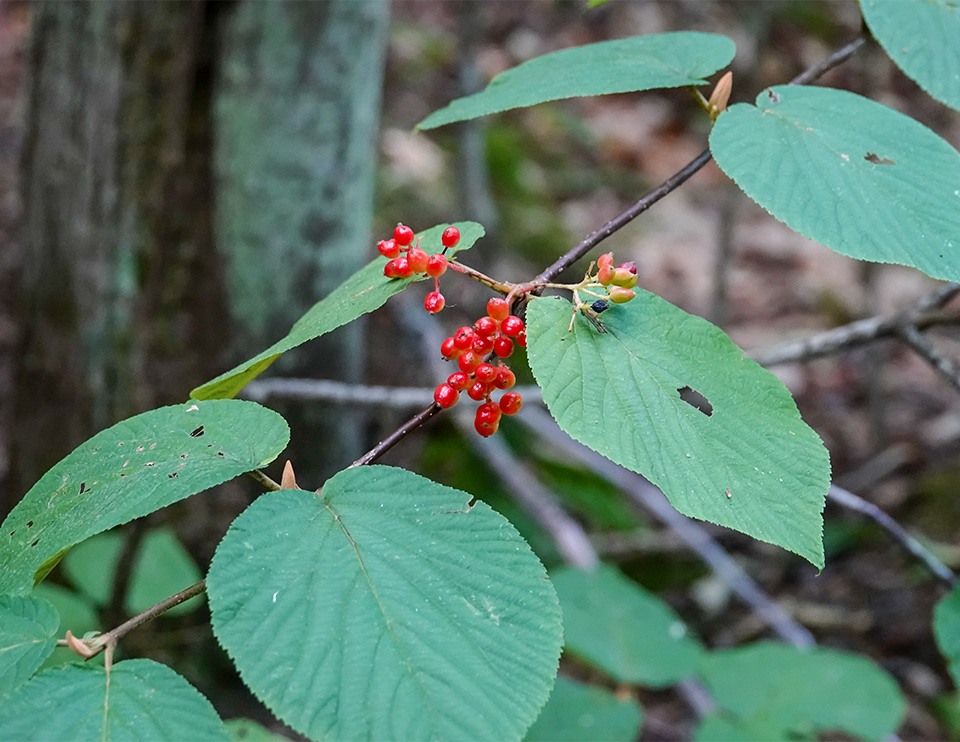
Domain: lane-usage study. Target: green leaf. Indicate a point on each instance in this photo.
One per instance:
(161, 567)
(139, 465)
(751, 465)
(722, 728)
(28, 626)
(388, 607)
(851, 174)
(585, 713)
(247, 730)
(780, 685)
(617, 626)
(921, 38)
(76, 613)
(946, 628)
(668, 60)
(141, 700)
(366, 290)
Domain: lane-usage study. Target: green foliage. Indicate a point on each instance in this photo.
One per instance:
(585, 713)
(921, 38)
(387, 607)
(620, 628)
(131, 469)
(946, 627)
(136, 700)
(366, 290)
(76, 613)
(774, 686)
(618, 392)
(161, 567)
(669, 60)
(27, 637)
(851, 174)
(247, 730)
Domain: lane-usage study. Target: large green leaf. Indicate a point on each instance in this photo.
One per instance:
(585, 713)
(946, 627)
(388, 607)
(617, 626)
(137, 466)
(751, 465)
(776, 684)
(366, 290)
(140, 700)
(668, 60)
(923, 38)
(851, 174)
(28, 626)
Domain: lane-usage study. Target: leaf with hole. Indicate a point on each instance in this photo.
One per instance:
(137, 466)
(922, 39)
(386, 607)
(777, 684)
(741, 457)
(845, 171)
(584, 713)
(28, 627)
(615, 625)
(140, 700)
(366, 290)
(667, 60)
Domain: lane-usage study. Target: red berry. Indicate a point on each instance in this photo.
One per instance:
(485, 373)
(489, 413)
(388, 248)
(522, 339)
(511, 326)
(401, 267)
(468, 361)
(464, 337)
(485, 326)
(630, 266)
(418, 260)
(503, 347)
(510, 403)
(498, 309)
(450, 237)
(605, 260)
(434, 302)
(485, 429)
(390, 269)
(446, 396)
(482, 345)
(459, 380)
(436, 265)
(478, 391)
(449, 350)
(403, 235)
(605, 274)
(505, 378)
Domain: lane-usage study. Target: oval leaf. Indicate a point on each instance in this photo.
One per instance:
(851, 174)
(140, 700)
(776, 684)
(668, 60)
(585, 713)
(615, 625)
(137, 466)
(946, 627)
(366, 290)
(744, 460)
(922, 39)
(28, 625)
(386, 608)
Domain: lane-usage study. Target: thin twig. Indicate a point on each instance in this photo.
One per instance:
(264, 480)
(834, 60)
(397, 435)
(853, 502)
(924, 348)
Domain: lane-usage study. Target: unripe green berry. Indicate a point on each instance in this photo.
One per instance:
(620, 295)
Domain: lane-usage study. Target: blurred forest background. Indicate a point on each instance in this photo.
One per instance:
(180, 181)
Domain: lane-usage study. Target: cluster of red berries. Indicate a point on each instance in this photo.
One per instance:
(406, 259)
(498, 332)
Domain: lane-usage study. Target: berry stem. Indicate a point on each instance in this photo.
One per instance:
(476, 275)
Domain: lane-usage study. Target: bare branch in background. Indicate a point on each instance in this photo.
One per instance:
(924, 347)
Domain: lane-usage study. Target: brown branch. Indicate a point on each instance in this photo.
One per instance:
(264, 480)
(397, 435)
(923, 347)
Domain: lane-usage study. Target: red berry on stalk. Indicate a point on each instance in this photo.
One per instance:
(511, 326)
(485, 326)
(498, 309)
(468, 361)
(605, 260)
(489, 413)
(485, 429)
(446, 396)
(503, 347)
(388, 248)
(390, 269)
(522, 339)
(510, 403)
(450, 237)
(485, 373)
(459, 380)
(403, 235)
(449, 350)
(464, 337)
(418, 260)
(436, 265)
(401, 267)
(505, 378)
(478, 391)
(482, 345)
(434, 302)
